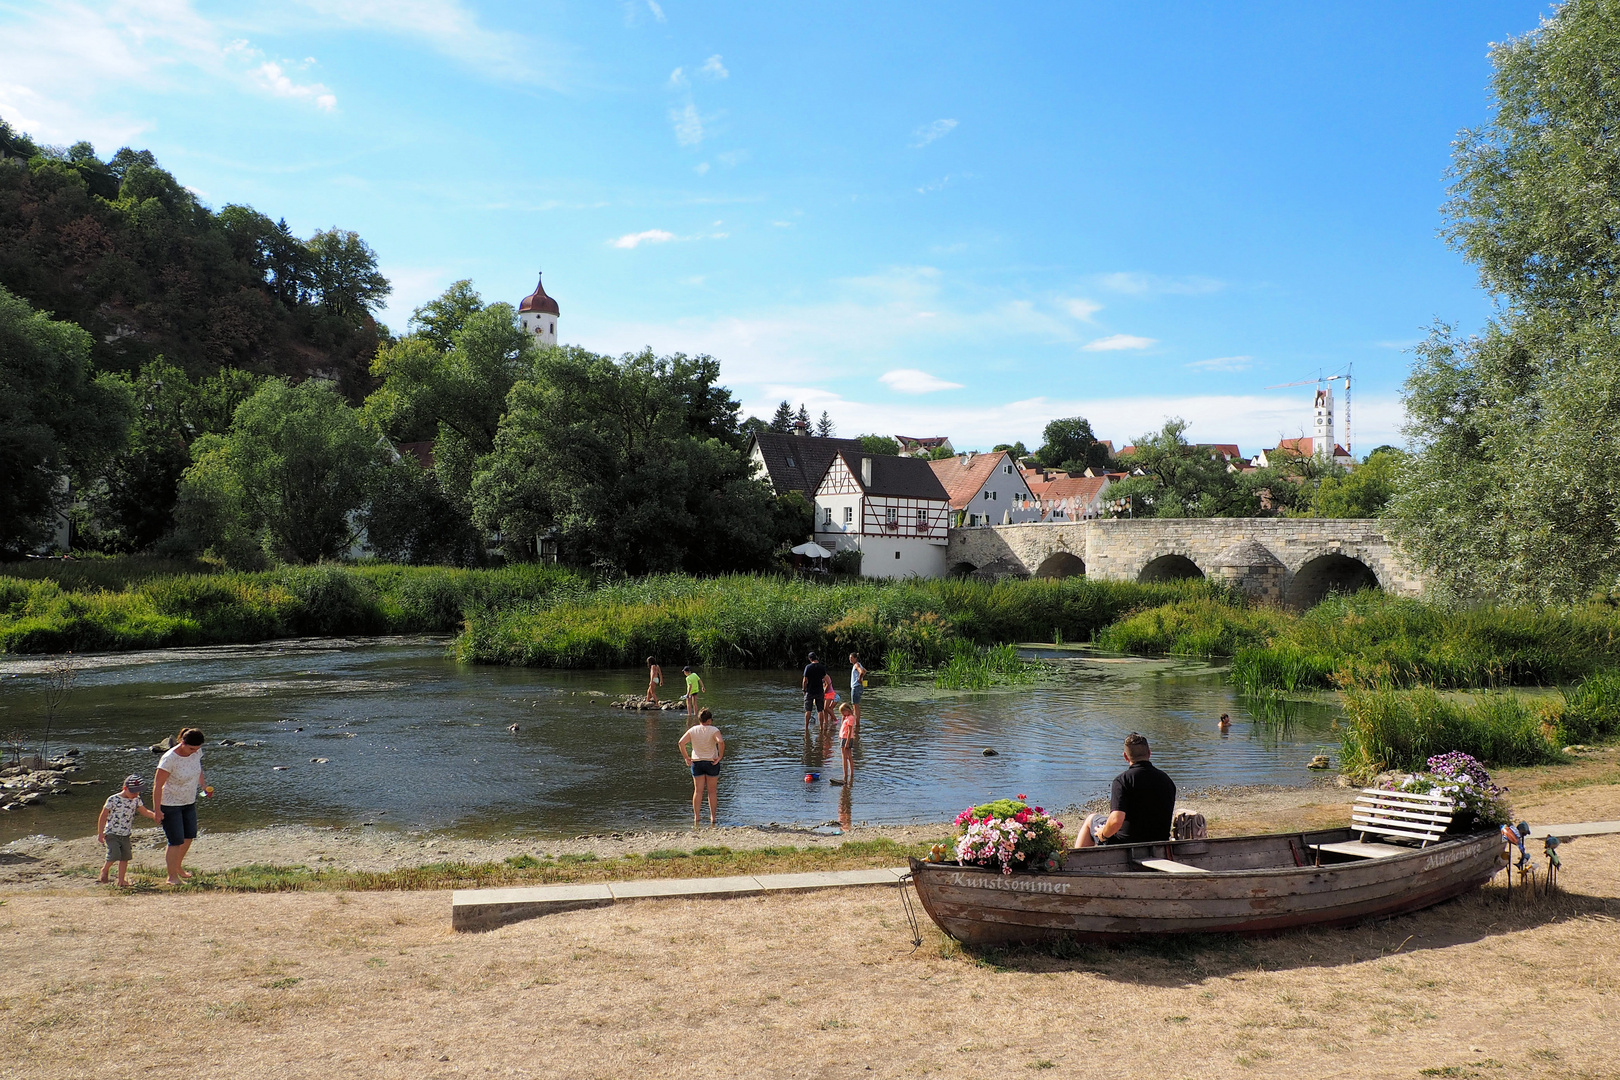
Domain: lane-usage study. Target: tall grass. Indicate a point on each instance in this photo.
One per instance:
(742, 621)
(43, 615)
(1375, 640)
(972, 667)
(1402, 729)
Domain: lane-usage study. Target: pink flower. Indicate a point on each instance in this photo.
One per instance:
(1021, 798)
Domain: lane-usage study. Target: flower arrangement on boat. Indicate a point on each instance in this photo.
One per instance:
(1464, 780)
(1009, 833)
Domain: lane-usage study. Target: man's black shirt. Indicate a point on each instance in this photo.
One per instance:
(1148, 798)
(815, 678)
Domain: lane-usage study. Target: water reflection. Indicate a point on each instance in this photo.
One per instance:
(414, 740)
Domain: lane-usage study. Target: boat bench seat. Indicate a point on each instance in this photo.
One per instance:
(1364, 849)
(1401, 815)
(1170, 866)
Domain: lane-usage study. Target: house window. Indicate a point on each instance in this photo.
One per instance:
(922, 521)
(891, 517)
(829, 515)
(1007, 469)
(553, 328)
(849, 514)
(897, 554)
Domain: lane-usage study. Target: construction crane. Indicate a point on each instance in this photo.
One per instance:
(1318, 381)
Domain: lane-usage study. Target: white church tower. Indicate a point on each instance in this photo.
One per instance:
(1323, 437)
(538, 313)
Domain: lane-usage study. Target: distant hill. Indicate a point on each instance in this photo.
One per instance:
(124, 250)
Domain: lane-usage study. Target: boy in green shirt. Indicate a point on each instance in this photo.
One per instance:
(694, 687)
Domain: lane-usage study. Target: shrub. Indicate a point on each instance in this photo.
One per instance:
(1591, 711)
(1402, 729)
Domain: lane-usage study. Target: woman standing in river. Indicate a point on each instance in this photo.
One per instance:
(702, 748)
(174, 795)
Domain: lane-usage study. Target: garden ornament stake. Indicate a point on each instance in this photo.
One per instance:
(1514, 835)
(1550, 848)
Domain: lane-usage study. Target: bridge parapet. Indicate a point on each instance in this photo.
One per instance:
(1293, 561)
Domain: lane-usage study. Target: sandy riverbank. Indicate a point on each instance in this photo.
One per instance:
(324, 984)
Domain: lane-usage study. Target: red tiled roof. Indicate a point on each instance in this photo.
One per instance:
(1069, 487)
(963, 476)
(539, 301)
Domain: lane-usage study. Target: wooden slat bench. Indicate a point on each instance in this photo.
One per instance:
(1170, 866)
(1394, 815)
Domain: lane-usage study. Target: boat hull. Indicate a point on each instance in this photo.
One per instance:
(1105, 895)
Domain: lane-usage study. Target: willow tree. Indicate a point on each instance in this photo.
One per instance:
(1514, 490)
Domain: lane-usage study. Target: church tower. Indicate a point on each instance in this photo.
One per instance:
(538, 313)
(1323, 436)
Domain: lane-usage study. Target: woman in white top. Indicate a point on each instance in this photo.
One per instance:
(702, 747)
(174, 795)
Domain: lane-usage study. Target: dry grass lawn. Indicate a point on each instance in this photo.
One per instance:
(333, 984)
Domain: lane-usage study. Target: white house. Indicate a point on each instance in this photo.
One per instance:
(893, 510)
(986, 489)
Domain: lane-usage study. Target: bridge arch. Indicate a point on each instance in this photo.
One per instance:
(1330, 572)
(1061, 564)
(1170, 567)
(962, 569)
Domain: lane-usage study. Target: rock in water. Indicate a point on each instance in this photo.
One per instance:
(1320, 761)
(990, 753)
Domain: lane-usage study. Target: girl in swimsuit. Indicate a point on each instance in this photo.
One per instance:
(655, 678)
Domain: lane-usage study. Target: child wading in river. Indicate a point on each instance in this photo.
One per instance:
(115, 825)
(694, 687)
(846, 736)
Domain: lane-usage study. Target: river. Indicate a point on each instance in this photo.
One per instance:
(409, 739)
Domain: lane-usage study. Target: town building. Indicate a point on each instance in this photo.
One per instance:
(1288, 450)
(795, 462)
(1065, 497)
(986, 489)
(893, 510)
(538, 314)
(923, 448)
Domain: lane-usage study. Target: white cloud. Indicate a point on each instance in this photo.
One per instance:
(937, 185)
(701, 167)
(1118, 342)
(912, 381)
(732, 158)
(274, 78)
(1081, 309)
(677, 79)
(451, 29)
(656, 9)
(713, 68)
(1134, 284)
(650, 236)
(688, 125)
(1223, 363)
(929, 132)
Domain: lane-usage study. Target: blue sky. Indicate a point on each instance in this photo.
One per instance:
(923, 218)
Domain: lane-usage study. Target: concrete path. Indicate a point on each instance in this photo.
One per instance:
(485, 909)
(1585, 828)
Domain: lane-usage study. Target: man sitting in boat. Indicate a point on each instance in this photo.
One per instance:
(1141, 806)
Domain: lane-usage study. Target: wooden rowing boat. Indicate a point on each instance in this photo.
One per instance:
(1244, 885)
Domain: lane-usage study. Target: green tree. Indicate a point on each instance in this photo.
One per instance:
(295, 464)
(343, 273)
(782, 419)
(130, 506)
(632, 464)
(1018, 450)
(825, 428)
(1513, 489)
(447, 382)
(1071, 445)
(880, 444)
(1184, 480)
(58, 422)
(1363, 491)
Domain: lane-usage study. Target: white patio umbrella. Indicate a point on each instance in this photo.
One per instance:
(812, 549)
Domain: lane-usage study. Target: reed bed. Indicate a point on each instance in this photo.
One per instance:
(80, 613)
(1402, 729)
(749, 621)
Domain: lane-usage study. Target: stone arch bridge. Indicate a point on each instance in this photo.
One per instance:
(1289, 561)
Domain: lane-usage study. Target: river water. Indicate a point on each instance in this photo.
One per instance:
(413, 740)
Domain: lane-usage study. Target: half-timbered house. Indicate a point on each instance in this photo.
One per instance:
(893, 510)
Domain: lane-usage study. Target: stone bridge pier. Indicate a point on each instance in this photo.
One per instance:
(1293, 562)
